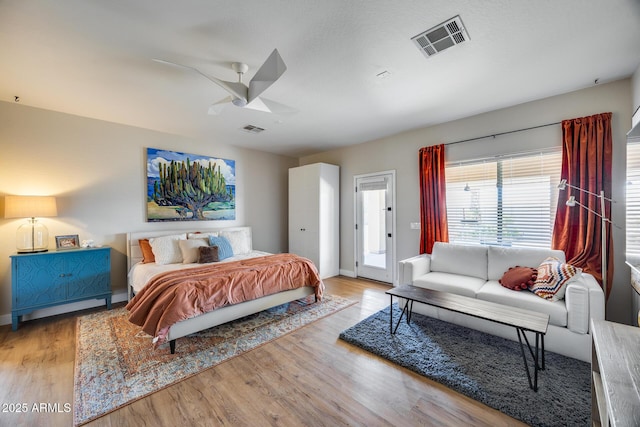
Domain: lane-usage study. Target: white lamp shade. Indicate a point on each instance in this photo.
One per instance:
(563, 184)
(29, 206)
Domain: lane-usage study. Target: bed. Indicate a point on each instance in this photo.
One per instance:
(140, 274)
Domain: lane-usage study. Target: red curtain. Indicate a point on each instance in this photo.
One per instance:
(586, 163)
(433, 206)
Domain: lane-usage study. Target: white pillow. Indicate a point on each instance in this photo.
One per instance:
(189, 249)
(166, 249)
(201, 235)
(240, 240)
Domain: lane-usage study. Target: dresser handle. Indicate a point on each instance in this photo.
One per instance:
(65, 275)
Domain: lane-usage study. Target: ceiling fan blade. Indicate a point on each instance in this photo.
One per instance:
(238, 90)
(268, 106)
(258, 105)
(268, 73)
(216, 108)
(278, 108)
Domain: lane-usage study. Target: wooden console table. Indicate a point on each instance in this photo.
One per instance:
(521, 319)
(615, 382)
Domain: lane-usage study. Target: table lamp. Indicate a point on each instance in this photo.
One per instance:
(32, 236)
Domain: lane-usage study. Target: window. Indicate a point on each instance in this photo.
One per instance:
(633, 201)
(505, 201)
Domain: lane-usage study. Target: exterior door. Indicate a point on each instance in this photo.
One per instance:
(375, 234)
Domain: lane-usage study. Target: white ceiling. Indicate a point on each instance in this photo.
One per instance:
(94, 59)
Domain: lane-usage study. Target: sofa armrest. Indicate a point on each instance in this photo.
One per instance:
(584, 300)
(414, 267)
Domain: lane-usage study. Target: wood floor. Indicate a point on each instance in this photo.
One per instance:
(308, 377)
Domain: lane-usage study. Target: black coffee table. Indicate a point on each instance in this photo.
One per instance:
(521, 319)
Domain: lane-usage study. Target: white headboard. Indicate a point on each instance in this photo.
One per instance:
(134, 253)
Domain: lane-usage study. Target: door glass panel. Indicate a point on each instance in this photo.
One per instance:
(374, 231)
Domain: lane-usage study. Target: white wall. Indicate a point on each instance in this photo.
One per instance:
(97, 171)
(400, 152)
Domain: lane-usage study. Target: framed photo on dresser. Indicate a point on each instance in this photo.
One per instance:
(69, 241)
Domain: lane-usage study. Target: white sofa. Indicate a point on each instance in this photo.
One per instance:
(474, 271)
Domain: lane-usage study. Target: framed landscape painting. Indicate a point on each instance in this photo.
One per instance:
(189, 187)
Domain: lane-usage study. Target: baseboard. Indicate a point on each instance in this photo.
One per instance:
(119, 296)
(347, 273)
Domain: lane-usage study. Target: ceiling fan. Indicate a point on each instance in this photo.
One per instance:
(244, 96)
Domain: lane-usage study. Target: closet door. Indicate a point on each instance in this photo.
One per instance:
(313, 215)
(304, 208)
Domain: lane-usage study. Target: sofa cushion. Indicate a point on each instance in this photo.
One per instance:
(501, 258)
(553, 277)
(460, 259)
(494, 292)
(454, 283)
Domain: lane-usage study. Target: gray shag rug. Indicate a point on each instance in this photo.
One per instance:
(484, 367)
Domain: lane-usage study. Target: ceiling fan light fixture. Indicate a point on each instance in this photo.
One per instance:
(239, 102)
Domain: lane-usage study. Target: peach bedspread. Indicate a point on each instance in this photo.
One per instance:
(178, 295)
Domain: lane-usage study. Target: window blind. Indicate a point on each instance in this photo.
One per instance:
(380, 184)
(506, 201)
(633, 201)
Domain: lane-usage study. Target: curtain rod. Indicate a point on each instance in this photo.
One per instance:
(501, 133)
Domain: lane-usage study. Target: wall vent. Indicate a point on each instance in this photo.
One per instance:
(252, 129)
(441, 37)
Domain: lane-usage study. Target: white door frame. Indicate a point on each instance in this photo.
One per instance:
(394, 278)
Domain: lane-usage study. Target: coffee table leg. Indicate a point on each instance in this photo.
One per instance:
(536, 364)
(543, 362)
(408, 313)
(391, 314)
(524, 359)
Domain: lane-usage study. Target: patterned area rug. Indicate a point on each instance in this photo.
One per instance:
(484, 367)
(115, 363)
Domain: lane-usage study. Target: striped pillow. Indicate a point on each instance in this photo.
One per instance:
(553, 276)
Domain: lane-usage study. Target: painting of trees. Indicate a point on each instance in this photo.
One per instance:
(186, 189)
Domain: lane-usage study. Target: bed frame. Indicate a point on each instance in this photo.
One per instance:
(220, 315)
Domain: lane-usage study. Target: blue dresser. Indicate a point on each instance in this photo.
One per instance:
(58, 277)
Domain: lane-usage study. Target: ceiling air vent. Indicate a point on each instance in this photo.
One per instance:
(441, 37)
(252, 129)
